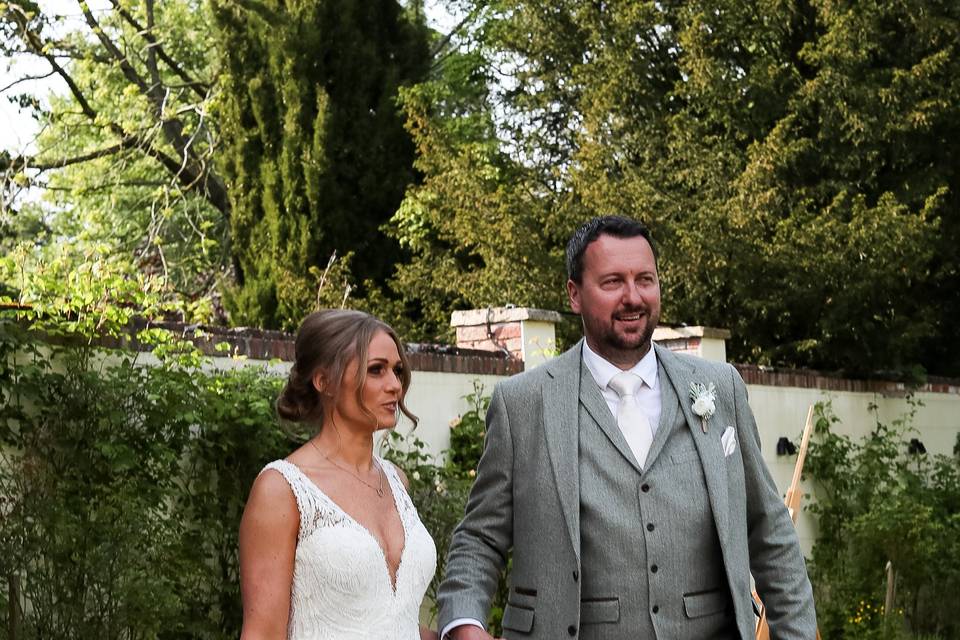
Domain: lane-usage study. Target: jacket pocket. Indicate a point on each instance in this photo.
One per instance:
(685, 456)
(705, 603)
(517, 618)
(596, 611)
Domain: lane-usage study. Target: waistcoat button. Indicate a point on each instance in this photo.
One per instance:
(654, 569)
(572, 630)
(650, 527)
(655, 609)
(576, 575)
(645, 488)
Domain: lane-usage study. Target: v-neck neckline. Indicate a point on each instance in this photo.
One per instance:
(392, 578)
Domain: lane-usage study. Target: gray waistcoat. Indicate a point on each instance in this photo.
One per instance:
(650, 555)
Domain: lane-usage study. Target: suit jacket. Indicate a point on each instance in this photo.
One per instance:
(527, 498)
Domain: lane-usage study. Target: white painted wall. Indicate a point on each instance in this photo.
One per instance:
(781, 411)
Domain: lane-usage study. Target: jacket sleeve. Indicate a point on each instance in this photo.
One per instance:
(480, 543)
(776, 560)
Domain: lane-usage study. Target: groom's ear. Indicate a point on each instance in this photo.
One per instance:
(573, 293)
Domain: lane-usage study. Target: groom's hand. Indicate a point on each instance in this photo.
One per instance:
(468, 632)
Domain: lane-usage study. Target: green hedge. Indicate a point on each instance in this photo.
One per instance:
(876, 501)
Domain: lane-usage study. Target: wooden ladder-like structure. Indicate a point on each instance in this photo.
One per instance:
(792, 501)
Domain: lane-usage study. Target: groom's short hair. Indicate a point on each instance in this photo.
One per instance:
(616, 226)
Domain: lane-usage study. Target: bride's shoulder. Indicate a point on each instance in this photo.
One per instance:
(274, 484)
(271, 510)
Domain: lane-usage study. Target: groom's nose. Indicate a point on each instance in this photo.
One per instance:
(632, 296)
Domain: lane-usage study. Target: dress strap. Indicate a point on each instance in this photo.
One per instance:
(404, 503)
(305, 492)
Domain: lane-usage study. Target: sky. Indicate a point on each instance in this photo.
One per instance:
(18, 129)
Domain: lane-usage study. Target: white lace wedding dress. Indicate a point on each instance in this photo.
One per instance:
(341, 584)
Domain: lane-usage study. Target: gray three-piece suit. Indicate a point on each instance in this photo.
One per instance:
(603, 549)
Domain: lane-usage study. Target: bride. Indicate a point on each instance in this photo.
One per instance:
(331, 547)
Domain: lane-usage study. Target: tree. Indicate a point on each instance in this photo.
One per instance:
(793, 158)
(124, 158)
(317, 156)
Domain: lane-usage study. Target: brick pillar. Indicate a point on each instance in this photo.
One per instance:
(528, 335)
(706, 342)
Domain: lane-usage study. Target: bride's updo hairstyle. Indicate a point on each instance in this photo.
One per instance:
(328, 341)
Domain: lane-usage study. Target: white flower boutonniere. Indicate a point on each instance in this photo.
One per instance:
(704, 401)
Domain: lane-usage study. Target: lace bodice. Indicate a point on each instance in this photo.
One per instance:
(341, 584)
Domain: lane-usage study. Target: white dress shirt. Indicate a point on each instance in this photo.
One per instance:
(648, 395)
(647, 398)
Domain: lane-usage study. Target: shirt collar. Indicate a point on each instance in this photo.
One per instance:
(603, 370)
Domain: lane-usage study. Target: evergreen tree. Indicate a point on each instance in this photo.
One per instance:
(317, 158)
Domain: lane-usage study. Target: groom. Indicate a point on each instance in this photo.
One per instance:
(631, 513)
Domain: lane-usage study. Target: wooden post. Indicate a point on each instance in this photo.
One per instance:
(891, 590)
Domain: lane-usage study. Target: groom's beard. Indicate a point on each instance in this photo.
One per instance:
(614, 341)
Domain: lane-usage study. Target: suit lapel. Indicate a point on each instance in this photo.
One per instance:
(560, 394)
(680, 375)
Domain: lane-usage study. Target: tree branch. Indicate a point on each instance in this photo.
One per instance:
(22, 163)
(190, 170)
(200, 88)
(25, 79)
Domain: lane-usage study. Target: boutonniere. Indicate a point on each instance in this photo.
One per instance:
(704, 401)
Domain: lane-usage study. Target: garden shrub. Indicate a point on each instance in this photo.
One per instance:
(876, 502)
(124, 485)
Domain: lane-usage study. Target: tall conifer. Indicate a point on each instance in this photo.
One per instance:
(316, 154)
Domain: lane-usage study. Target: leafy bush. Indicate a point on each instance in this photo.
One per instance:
(122, 481)
(123, 485)
(875, 503)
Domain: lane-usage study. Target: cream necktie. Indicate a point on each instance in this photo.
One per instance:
(630, 417)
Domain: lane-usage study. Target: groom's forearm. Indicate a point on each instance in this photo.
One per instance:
(776, 559)
(478, 549)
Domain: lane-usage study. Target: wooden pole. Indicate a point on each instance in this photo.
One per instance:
(891, 590)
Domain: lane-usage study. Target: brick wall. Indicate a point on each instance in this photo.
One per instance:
(262, 344)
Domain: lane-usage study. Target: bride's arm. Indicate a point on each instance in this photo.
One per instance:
(268, 542)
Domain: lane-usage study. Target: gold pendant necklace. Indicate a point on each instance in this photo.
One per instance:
(379, 489)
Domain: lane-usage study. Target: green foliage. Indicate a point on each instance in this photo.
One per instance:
(123, 158)
(124, 475)
(794, 160)
(124, 484)
(123, 481)
(876, 503)
(467, 433)
(317, 157)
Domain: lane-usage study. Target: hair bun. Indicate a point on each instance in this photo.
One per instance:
(298, 400)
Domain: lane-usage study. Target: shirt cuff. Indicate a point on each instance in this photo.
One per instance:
(459, 622)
